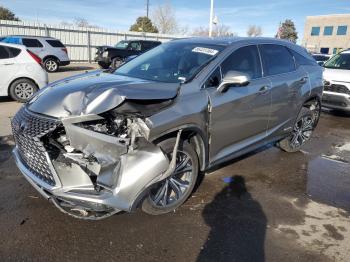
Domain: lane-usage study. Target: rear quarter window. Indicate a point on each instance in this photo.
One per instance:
(303, 60)
(55, 43)
(28, 42)
(7, 52)
(4, 52)
(276, 59)
(14, 51)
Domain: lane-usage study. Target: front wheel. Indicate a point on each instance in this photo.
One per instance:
(169, 194)
(302, 130)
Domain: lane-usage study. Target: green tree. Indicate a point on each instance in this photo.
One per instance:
(6, 14)
(287, 31)
(144, 24)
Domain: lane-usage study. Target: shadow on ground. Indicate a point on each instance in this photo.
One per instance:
(237, 225)
(6, 99)
(75, 68)
(338, 113)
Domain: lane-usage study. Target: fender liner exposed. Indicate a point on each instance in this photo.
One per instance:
(195, 136)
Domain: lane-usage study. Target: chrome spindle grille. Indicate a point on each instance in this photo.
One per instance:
(28, 129)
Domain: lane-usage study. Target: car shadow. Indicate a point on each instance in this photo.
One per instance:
(75, 68)
(334, 112)
(5, 99)
(237, 225)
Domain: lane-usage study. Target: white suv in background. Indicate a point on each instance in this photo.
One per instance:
(21, 72)
(336, 77)
(51, 50)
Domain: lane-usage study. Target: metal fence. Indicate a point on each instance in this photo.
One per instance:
(80, 41)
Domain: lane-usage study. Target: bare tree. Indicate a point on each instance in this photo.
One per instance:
(82, 22)
(164, 18)
(219, 30)
(254, 30)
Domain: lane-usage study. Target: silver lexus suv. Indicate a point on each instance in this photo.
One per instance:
(104, 142)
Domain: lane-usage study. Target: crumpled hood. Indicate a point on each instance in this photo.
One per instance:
(336, 75)
(96, 92)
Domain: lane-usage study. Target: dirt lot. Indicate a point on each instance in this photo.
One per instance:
(265, 206)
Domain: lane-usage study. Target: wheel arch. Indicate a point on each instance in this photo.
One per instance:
(18, 78)
(51, 56)
(196, 138)
(312, 98)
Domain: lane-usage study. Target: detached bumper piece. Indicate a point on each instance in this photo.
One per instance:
(86, 173)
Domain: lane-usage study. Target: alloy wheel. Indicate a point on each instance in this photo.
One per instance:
(24, 91)
(302, 131)
(51, 66)
(173, 189)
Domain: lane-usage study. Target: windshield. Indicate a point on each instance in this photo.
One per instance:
(122, 44)
(172, 62)
(339, 61)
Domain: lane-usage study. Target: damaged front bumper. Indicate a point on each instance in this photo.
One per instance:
(96, 174)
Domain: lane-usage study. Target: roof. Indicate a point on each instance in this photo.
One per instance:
(30, 36)
(226, 41)
(13, 45)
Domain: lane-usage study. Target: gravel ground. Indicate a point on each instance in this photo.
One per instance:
(266, 206)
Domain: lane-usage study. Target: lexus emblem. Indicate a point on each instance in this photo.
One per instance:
(23, 126)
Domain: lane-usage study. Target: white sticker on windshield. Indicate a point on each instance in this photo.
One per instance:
(204, 50)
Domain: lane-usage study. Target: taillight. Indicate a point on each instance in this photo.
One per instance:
(35, 57)
(65, 50)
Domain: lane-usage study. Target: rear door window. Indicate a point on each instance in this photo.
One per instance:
(55, 43)
(246, 60)
(276, 59)
(34, 43)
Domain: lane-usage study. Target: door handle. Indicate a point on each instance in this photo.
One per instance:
(263, 89)
(304, 79)
(9, 64)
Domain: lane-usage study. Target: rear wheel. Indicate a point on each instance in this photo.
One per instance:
(167, 195)
(22, 90)
(51, 65)
(303, 128)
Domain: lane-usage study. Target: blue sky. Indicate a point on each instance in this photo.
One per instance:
(119, 14)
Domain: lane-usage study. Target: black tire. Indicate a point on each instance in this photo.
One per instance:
(22, 90)
(51, 65)
(104, 65)
(117, 62)
(302, 131)
(148, 205)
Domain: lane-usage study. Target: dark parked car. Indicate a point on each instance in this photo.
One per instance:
(109, 56)
(321, 58)
(104, 142)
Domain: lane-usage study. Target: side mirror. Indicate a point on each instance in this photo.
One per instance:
(233, 78)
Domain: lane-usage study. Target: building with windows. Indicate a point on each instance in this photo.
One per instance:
(327, 34)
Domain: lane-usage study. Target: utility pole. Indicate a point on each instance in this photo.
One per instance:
(211, 17)
(147, 7)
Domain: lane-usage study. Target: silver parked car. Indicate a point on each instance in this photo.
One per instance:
(100, 143)
(337, 82)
